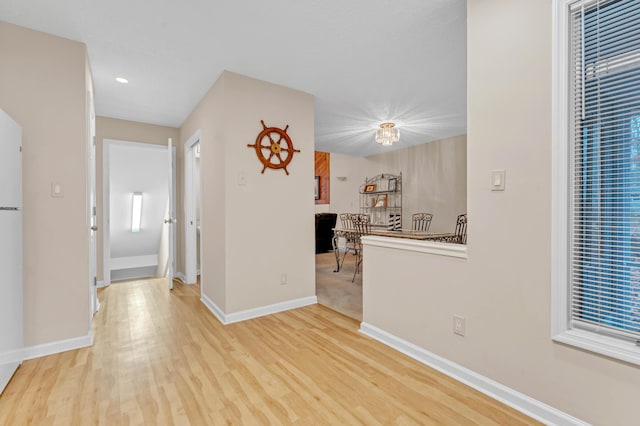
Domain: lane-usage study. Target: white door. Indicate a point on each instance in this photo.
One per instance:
(92, 208)
(11, 299)
(171, 220)
(10, 162)
(11, 306)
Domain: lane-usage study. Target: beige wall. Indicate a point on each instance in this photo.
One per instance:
(209, 118)
(254, 233)
(503, 288)
(43, 86)
(130, 131)
(434, 178)
(344, 193)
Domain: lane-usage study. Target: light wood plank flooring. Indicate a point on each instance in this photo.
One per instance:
(161, 358)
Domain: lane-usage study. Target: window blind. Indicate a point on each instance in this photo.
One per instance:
(605, 193)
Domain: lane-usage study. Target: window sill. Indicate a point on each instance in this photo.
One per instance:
(603, 345)
(431, 247)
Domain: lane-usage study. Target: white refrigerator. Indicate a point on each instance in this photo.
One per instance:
(11, 320)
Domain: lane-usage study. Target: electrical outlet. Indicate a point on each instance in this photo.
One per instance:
(283, 279)
(458, 325)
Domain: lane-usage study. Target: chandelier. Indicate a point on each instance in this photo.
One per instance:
(387, 134)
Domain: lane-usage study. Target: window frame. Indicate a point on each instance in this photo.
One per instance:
(561, 329)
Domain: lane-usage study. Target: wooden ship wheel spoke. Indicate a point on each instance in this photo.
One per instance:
(282, 149)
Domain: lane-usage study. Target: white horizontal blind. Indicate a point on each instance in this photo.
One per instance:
(605, 202)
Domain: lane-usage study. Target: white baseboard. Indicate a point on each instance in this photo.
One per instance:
(12, 356)
(215, 310)
(256, 312)
(6, 373)
(517, 400)
(51, 348)
(182, 277)
(132, 262)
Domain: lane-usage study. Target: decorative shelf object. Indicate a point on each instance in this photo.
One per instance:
(381, 198)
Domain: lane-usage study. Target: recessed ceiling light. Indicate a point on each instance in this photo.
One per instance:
(121, 80)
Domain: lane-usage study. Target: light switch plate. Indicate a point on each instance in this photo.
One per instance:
(459, 325)
(497, 180)
(57, 190)
(242, 178)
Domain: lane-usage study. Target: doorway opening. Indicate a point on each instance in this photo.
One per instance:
(136, 201)
(339, 290)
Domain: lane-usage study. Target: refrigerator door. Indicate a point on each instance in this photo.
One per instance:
(11, 343)
(11, 162)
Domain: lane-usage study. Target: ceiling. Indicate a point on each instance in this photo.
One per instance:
(365, 61)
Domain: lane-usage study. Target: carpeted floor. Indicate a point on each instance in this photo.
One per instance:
(335, 289)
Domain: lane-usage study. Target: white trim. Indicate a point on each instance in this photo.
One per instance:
(559, 168)
(431, 247)
(141, 273)
(51, 348)
(561, 330)
(106, 227)
(514, 399)
(256, 312)
(134, 261)
(131, 144)
(604, 345)
(270, 309)
(13, 356)
(101, 284)
(92, 206)
(181, 277)
(6, 373)
(172, 194)
(189, 208)
(215, 309)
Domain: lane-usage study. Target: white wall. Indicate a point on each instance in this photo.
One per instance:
(209, 118)
(434, 178)
(503, 288)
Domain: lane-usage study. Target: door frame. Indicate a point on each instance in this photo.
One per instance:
(92, 206)
(106, 205)
(171, 190)
(190, 231)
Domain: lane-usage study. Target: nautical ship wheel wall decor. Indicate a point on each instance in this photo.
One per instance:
(274, 148)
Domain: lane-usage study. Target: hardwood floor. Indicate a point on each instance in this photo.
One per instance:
(161, 358)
